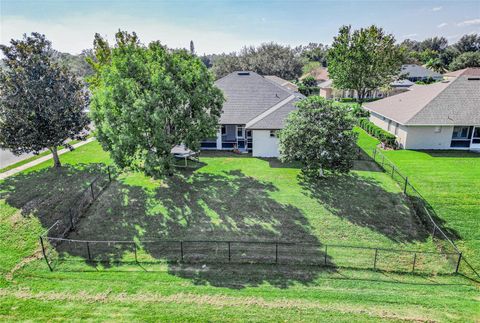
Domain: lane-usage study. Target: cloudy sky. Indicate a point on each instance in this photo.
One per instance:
(226, 25)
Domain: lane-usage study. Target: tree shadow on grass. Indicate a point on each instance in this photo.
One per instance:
(363, 202)
(226, 206)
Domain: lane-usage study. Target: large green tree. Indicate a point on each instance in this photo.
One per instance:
(467, 59)
(363, 60)
(148, 99)
(319, 135)
(42, 104)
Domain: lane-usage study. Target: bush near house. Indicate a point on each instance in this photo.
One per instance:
(384, 136)
(348, 100)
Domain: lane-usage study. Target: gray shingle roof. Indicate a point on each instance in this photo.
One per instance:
(248, 95)
(284, 83)
(453, 102)
(417, 71)
(276, 119)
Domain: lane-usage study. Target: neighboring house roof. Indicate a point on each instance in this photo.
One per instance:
(320, 74)
(402, 83)
(326, 85)
(451, 102)
(282, 82)
(275, 119)
(417, 71)
(251, 97)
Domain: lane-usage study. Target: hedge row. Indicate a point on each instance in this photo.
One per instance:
(384, 136)
(348, 100)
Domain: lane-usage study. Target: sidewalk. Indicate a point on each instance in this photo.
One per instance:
(41, 159)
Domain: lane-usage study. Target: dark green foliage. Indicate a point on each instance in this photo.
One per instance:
(363, 60)
(313, 52)
(359, 112)
(42, 104)
(308, 86)
(77, 64)
(319, 135)
(148, 99)
(266, 59)
(468, 59)
(347, 100)
(384, 136)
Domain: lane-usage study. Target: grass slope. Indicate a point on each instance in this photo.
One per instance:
(227, 292)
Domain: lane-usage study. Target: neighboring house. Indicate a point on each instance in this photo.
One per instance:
(255, 108)
(443, 115)
(415, 73)
(320, 74)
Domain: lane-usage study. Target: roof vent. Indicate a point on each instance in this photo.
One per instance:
(243, 73)
(473, 78)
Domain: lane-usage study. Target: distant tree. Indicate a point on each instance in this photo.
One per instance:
(437, 44)
(411, 45)
(363, 60)
(468, 43)
(266, 59)
(148, 99)
(437, 65)
(313, 52)
(208, 59)
(75, 63)
(192, 48)
(468, 59)
(308, 86)
(42, 103)
(319, 135)
(225, 64)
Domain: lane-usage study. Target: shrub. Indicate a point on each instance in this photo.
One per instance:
(384, 136)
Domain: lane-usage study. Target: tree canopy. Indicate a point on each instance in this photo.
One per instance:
(319, 135)
(363, 60)
(266, 59)
(148, 99)
(42, 103)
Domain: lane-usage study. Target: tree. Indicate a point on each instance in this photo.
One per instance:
(468, 43)
(437, 44)
(313, 52)
(42, 103)
(468, 59)
(319, 135)
(148, 99)
(225, 64)
(363, 60)
(192, 48)
(308, 86)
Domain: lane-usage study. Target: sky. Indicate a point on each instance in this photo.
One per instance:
(218, 26)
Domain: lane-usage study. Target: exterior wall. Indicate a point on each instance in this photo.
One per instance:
(426, 137)
(326, 93)
(263, 144)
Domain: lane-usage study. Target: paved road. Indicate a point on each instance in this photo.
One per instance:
(7, 158)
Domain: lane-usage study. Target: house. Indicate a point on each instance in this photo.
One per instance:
(255, 108)
(415, 73)
(289, 85)
(320, 74)
(443, 115)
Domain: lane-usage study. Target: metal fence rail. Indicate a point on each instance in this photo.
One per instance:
(426, 213)
(248, 252)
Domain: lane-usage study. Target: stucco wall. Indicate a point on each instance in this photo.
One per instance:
(425, 137)
(263, 144)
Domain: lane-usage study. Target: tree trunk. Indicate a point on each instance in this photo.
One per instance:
(322, 174)
(56, 160)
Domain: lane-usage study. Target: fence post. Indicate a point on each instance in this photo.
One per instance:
(181, 250)
(44, 254)
(414, 261)
(383, 160)
(91, 190)
(109, 175)
(135, 250)
(326, 249)
(434, 229)
(374, 153)
(393, 171)
(405, 187)
(71, 218)
(375, 260)
(458, 262)
(276, 252)
(229, 253)
(88, 252)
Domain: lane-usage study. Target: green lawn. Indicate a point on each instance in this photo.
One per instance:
(229, 197)
(450, 182)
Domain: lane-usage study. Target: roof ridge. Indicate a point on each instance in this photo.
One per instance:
(433, 98)
(277, 85)
(269, 111)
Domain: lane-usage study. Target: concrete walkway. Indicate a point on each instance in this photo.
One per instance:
(41, 159)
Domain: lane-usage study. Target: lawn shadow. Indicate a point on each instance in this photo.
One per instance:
(363, 202)
(227, 206)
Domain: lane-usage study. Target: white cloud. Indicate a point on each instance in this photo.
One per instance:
(437, 8)
(443, 24)
(469, 22)
(74, 33)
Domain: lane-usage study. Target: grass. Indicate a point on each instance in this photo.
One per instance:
(228, 197)
(450, 182)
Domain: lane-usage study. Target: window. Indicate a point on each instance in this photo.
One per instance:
(460, 132)
(273, 133)
(249, 133)
(239, 131)
(224, 130)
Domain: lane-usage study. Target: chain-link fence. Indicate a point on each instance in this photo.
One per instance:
(428, 216)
